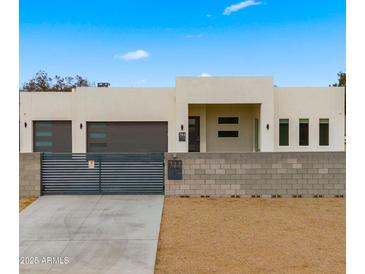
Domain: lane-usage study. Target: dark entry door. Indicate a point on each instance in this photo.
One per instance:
(194, 134)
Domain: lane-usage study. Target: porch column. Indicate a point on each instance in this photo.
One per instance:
(182, 118)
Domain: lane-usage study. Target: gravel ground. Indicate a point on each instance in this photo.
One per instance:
(228, 235)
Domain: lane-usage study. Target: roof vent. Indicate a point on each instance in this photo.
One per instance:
(103, 85)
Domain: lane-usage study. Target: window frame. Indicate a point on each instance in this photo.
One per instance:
(288, 132)
(304, 121)
(44, 143)
(228, 120)
(228, 131)
(327, 122)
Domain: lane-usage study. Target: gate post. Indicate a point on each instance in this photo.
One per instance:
(41, 176)
(99, 158)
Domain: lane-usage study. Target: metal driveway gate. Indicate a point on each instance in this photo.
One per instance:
(88, 173)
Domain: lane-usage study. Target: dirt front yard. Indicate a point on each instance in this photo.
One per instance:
(24, 202)
(229, 235)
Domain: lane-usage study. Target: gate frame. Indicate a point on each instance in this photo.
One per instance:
(99, 157)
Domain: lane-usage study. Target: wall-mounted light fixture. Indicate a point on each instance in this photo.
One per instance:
(25, 124)
(267, 126)
(182, 127)
(80, 125)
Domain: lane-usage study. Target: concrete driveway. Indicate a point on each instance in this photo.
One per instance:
(90, 234)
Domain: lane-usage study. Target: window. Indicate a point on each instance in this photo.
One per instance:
(284, 132)
(227, 120)
(227, 133)
(44, 133)
(97, 135)
(323, 132)
(43, 124)
(44, 143)
(303, 132)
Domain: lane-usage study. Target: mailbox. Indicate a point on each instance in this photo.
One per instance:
(174, 171)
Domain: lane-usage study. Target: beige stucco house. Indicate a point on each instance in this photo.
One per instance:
(200, 114)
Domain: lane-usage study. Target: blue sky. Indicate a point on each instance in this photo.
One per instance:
(299, 43)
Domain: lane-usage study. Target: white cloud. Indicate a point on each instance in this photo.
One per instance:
(236, 7)
(133, 55)
(199, 35)
(204, 74)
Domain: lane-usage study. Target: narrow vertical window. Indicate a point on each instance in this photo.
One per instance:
(284, 132)
(303, 132)
(323, 132)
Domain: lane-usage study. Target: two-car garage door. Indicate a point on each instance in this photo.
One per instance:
(127, 137)
(55, 136)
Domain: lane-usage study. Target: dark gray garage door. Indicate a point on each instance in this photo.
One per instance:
(126, 136)
(52, 136)
(81, 173)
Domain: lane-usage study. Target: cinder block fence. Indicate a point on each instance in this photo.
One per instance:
(265, 174)
(29, 174)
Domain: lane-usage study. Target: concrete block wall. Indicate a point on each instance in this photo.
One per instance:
(266, 174)
(29, 174)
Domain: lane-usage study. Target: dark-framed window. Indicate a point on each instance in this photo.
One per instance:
(228, 120)
(227, 133)
(323, 132)
(303, 132)
(283, 132)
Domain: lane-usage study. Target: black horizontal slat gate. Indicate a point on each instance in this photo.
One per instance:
(89, 173)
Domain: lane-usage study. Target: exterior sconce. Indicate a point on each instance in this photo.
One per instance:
(80, 125)
(182, 127)
(25, 124)
(267, 126)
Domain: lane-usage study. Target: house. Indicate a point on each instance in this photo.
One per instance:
(200, 114)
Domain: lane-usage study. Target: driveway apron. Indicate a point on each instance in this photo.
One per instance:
(90, 234)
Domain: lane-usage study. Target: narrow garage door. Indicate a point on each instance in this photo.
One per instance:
(52, 136)
(127, 136)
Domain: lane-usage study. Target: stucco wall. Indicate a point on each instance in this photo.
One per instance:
(209, 127)
(42, 106)
(245, 140)
(29, 174)
(96, 104)
(227, 90)
(312, 104)
(195, 95)
(286, 174)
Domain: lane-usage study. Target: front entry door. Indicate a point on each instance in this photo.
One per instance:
(194, 134)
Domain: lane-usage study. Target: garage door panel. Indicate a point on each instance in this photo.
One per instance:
(127, 136)
(52, 136)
